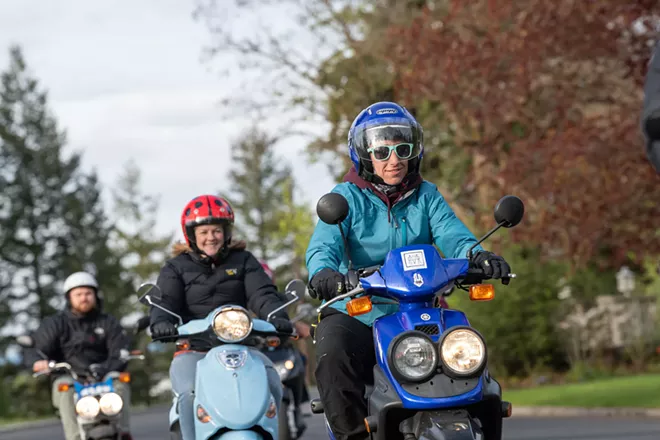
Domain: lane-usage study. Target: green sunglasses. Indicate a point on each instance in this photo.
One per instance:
(383, 152)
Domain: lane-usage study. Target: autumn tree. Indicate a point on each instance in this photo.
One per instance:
(315, 71)
(545, 97)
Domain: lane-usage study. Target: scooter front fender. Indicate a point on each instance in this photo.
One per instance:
(232, 387)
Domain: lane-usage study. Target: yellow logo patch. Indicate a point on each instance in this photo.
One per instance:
(231, 271)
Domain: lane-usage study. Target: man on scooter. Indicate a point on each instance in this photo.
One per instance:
(390, 206)
(86, 338)
(208, 271)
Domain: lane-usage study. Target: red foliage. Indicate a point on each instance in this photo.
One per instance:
(549, 92)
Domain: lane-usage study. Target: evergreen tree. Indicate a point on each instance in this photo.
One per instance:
(143, 253)
(257, 191)
(52, 221)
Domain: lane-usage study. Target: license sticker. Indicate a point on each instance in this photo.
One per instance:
(413, 260)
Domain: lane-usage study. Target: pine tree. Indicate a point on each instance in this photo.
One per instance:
(257, 191)
(52, 221)
(143, 253)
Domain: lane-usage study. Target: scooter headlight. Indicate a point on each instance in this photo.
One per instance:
(111, 404)
(413, 356)
(232, 324)
(284, 368)
(88, 407)
(463, 352)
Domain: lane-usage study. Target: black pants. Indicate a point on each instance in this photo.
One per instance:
(345, 360)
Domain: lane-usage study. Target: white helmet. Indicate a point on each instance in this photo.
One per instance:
(80, 279)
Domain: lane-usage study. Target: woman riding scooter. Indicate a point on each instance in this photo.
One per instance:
(208, 271)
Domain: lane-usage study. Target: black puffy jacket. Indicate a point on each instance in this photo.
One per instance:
(95, 338)
(192, 287)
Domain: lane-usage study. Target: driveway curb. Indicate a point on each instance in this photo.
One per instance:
(562, 411)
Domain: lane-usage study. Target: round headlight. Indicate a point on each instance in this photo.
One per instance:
(414, 356)
(111, 404)
(282, 371)
(232, 325)
(463, 352)
(88, 407)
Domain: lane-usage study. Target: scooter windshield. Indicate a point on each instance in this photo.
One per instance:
(414, 273)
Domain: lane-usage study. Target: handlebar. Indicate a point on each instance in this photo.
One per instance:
(54, 366)
(356, 291)
(473, 276)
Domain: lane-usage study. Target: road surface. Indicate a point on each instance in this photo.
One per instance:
(151, 425)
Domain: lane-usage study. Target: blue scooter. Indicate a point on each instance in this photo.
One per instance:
(98, 405)
(431, 380)
(232, 396)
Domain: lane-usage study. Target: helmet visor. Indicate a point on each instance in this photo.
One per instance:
(377, 143)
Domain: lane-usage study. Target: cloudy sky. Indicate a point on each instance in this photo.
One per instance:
(125, 79)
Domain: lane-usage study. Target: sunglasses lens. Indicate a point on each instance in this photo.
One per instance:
(404, 151)
(381, 153)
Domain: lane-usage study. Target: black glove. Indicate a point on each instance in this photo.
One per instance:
(163, 329)
(282, 325)
(327, 284)
(493, 265)
(98, 371)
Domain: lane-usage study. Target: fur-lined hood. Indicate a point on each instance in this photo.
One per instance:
(182, 248)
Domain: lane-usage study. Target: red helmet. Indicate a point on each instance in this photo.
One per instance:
(207, 210)
(268, 270)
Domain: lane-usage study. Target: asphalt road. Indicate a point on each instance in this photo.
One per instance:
(151, 425)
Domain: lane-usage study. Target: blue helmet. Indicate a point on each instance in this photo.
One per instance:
(384, 121)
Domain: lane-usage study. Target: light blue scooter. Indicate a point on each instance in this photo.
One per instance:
(232, 397)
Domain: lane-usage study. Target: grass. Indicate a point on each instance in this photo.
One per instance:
(634, 391)
(4, 422)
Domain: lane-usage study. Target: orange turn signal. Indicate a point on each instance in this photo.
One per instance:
(63, 387)
(273, 341)
(182, 344)
(482, 292)
(202, 415)
(125, 377)
(359, 306)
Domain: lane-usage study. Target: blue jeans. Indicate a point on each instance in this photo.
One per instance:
(182, 375)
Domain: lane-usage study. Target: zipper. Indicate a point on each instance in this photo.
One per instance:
(404, 231)
(395, 225)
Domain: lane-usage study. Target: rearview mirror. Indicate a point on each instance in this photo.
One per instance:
(296, 287)
(147, 292)
(509, 211)
(332, 208)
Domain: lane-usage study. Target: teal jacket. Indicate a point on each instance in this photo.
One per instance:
(423, 217)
